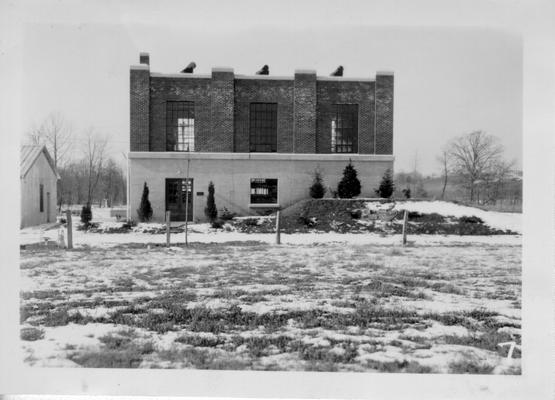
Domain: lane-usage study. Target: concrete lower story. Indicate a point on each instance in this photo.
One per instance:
(232, 173)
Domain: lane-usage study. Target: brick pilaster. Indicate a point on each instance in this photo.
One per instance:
(384, 113)
(221, 110)
(304, 112)
(139, 88)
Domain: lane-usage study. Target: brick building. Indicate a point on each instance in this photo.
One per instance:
(259, 138)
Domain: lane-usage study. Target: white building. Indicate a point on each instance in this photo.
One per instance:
(38, 177)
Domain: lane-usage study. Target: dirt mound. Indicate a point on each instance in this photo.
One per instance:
(339, 215)
(365, 215)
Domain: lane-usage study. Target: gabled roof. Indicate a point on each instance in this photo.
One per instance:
(29, 155)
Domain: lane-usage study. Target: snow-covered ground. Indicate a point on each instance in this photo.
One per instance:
(202, 233)
(498, 220)
(318, 301)
(245, 305)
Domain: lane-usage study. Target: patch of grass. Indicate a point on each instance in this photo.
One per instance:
(253, 298)
(450, 318)
(124, 283)
(315, 353)
(171, 299)
(129, 358)
(258, 346)
(57, 317)
(470, 366)
(200, 341)
(31, 334)
(399, 366)
(229, 294)
(204, 359)
(115, 341)
(52, 294)
(481, 314)
(444, 287)
(62, 317)
(35, 309)
(420, 295)
(121, 349)
(488, 340)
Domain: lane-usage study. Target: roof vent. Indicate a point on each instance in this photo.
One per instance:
(265, 70)
(338, 71)
(190, 68)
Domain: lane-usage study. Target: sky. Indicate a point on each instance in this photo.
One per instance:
(448, 81)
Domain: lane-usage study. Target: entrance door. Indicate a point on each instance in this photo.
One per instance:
(47, 206)
(177, 192)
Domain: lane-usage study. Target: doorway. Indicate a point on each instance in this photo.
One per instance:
(178, 194)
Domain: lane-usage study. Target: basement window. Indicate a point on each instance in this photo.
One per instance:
(344, 128)
(264, 191)
(180, 126)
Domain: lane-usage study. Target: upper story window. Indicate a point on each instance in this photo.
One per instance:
(180, 126)
(263, 127)
(264, 191)
(344, 128)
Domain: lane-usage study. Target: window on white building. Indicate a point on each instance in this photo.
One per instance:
(264, 191)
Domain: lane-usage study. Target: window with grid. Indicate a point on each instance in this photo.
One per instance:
(180, 126)
(41, 197)
(344, 128)
(263, 127)
(264, 191)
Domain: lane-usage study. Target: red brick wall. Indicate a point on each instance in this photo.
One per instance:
(139, 109)
(222, 104)
(304, 113)
(331, 92)
(167, 89)
(264, 91)
(221, 111)
(384, 114)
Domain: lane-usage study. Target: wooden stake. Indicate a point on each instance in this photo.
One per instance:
(405, 219)
(168, 214)
(278, 228)
(187, 201)
(69, 230)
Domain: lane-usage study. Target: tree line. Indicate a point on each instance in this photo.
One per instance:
(88, 173)
(472, 168)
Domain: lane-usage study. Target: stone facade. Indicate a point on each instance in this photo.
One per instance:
(221, 102)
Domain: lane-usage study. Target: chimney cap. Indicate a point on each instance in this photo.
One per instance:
(305, 71)
(144, 58)
(222, 69)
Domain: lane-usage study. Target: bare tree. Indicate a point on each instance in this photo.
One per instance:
(74, 176)
(112, 182)
(95, 149)
(495, 181)
(473, 156)
(55, 133)
(444, 160)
